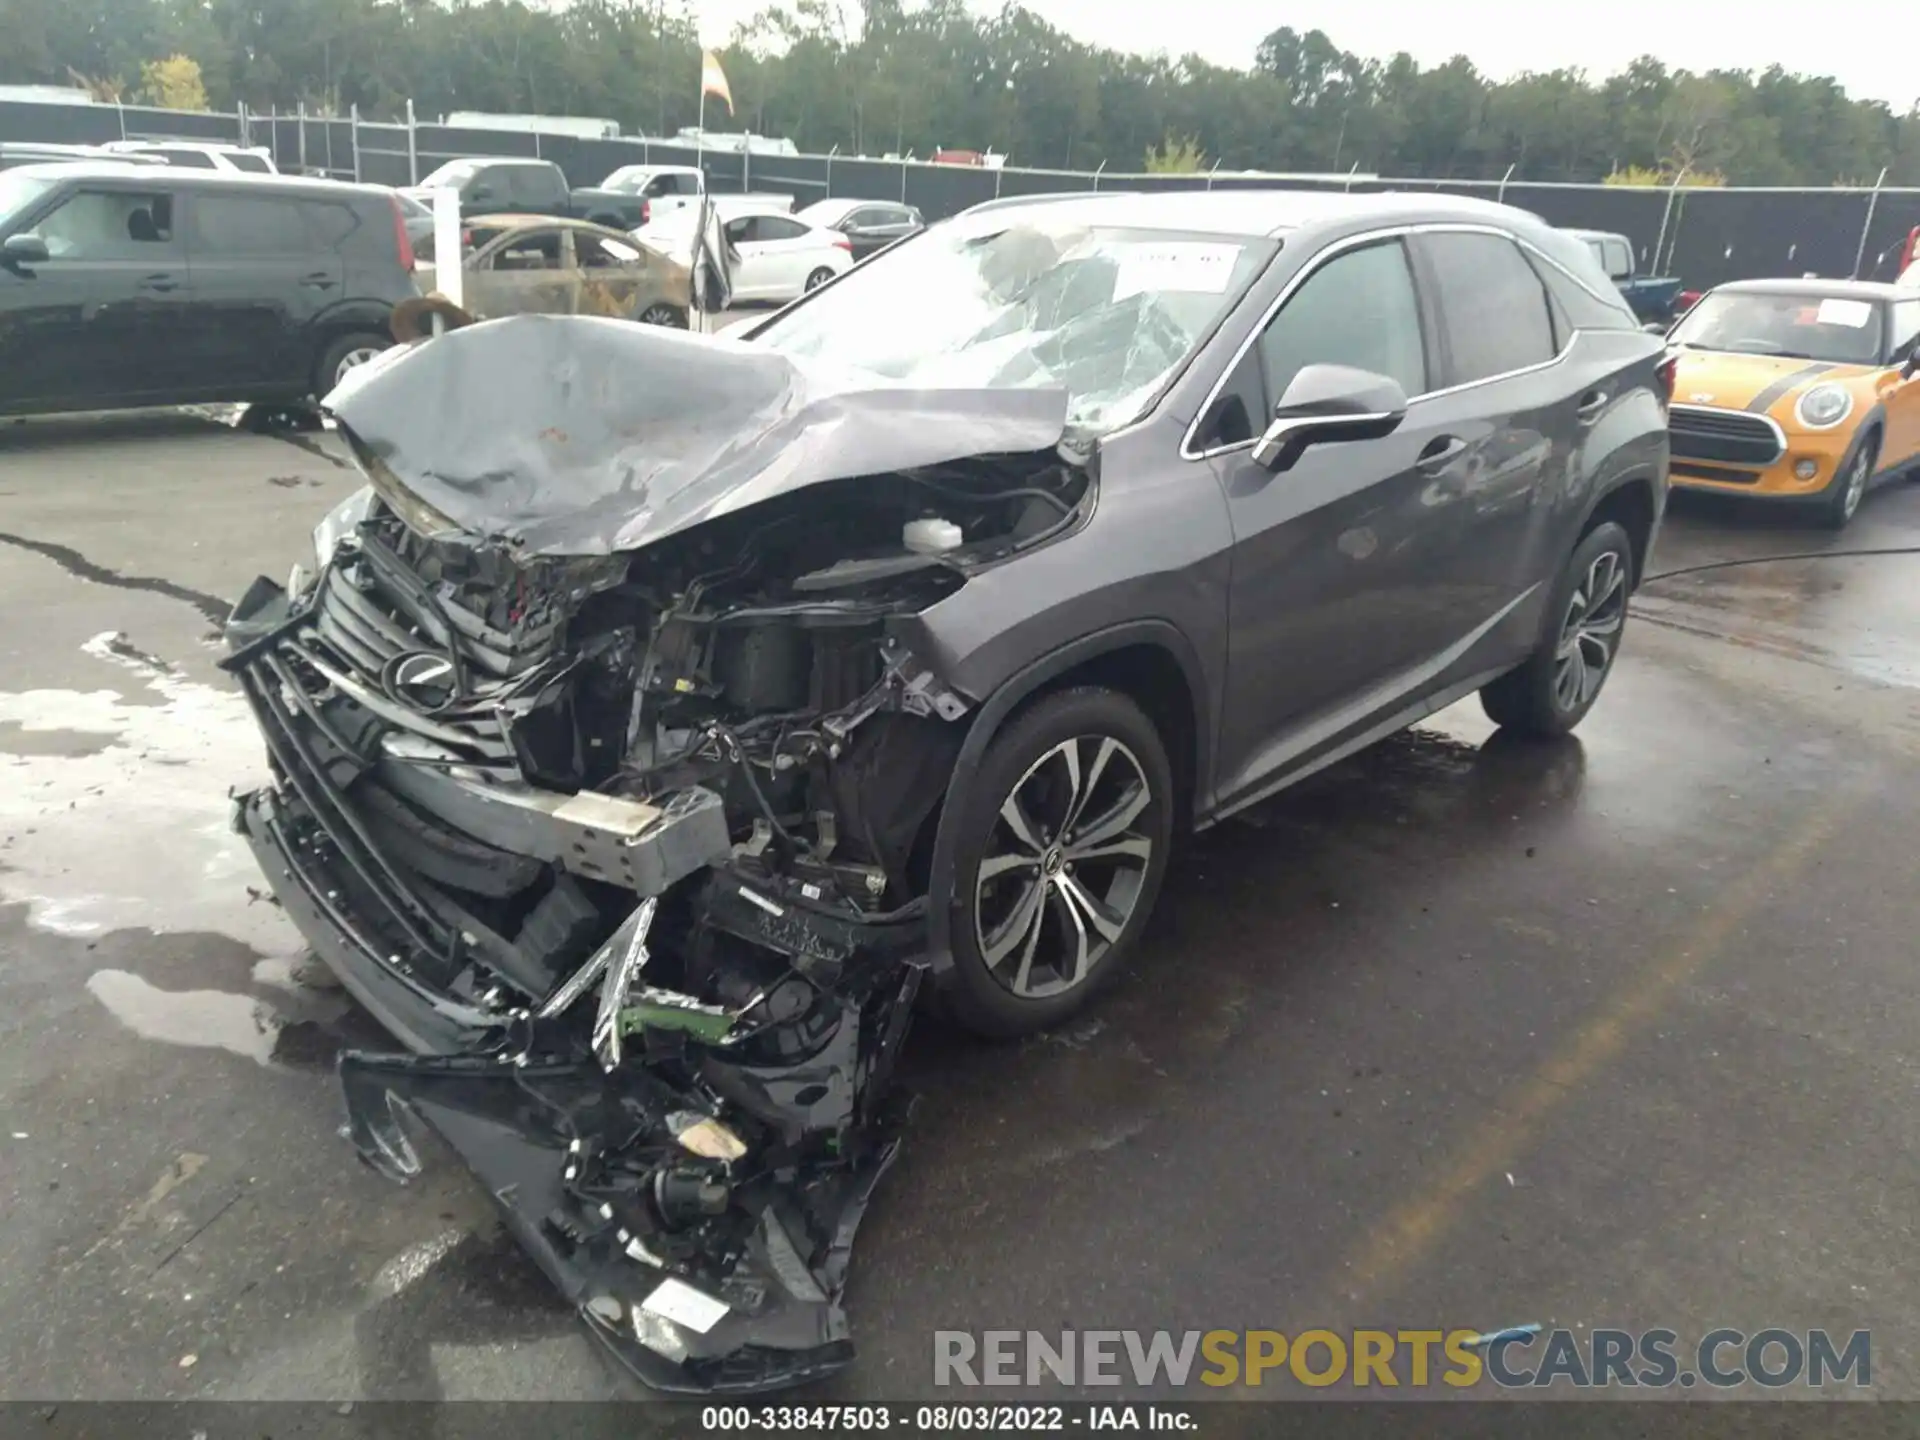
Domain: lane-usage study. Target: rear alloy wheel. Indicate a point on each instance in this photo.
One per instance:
(662, 314)
(819, 278)
(1843, 503)
(1060, 860)
(1586, 617)
(349, 352)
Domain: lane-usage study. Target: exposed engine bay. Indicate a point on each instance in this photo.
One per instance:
(632, 846)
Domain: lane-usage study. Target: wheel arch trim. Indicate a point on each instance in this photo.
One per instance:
(1007, 697)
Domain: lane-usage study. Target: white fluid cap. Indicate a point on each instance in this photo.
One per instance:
(931, 537)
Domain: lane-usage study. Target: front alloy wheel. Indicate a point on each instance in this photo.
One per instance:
(1060, 851)
(1066, 867)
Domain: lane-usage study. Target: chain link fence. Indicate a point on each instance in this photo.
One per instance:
(1706, 236)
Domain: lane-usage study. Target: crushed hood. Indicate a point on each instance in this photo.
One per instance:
(571, 435)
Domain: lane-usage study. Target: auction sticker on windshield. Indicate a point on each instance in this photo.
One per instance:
(1194, 266)
(1852, 313)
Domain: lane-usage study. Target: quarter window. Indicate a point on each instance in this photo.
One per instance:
(1494, 305)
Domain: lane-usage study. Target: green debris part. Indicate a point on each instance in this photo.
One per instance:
(668, 1010)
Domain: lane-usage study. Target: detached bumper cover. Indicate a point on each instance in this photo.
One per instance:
(699, 1275)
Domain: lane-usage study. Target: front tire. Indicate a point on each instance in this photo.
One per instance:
(1586, 617)
(1062, 848)
(819, 278)
(347, 352)
(1850, 486)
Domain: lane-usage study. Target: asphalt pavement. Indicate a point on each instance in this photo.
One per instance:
(1462, 1033)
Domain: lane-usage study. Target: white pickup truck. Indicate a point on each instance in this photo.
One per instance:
(671, 188)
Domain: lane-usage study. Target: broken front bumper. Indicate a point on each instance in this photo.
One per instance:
(689, 1174)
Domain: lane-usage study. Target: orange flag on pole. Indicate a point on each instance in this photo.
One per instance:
(713, 80)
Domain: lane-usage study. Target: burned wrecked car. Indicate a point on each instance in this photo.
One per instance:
(669, 716)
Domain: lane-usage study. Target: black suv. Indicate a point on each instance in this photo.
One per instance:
(124, 285)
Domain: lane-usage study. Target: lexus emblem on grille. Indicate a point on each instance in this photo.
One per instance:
(421, 680)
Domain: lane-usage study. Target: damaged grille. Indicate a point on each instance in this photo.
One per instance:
(364, 623)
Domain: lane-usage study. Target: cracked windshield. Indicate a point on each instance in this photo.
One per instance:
(1104, 313)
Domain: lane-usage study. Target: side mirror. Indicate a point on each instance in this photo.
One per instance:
(20, 252)
(1328, 403)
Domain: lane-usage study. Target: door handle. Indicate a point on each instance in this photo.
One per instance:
(1591, 404)
(1440, 452)
(162, 283)
(319, 280)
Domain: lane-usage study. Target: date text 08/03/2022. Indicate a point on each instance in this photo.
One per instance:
(943, 1419)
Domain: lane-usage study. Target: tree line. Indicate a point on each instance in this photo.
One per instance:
(881, 76)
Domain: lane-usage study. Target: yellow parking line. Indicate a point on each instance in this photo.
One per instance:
(1398, 1242)
(1406, 1234)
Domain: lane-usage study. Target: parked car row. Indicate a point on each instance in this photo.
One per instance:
(154, 273)
(130, 285)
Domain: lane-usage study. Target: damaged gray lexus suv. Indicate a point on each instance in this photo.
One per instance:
(668, 712)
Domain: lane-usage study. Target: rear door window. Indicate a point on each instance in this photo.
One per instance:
(777, 227)
(1493, 305)
(529, 250)
(603, 252)
(249, 225)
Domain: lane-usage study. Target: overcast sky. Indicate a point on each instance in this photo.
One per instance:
(1876, 55)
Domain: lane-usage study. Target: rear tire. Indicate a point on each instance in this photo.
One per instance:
(1580, 638)
(344, 354)
(1067, 889)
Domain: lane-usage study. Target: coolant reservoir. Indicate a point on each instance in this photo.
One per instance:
(932, 537)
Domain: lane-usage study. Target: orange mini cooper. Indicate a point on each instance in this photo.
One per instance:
(1800, 390)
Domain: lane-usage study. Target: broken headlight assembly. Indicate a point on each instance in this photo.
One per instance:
(340, 522)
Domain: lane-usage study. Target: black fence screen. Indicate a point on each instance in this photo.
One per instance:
(1705, 236)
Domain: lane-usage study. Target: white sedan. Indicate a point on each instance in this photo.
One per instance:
(781, 257)
(778, 257)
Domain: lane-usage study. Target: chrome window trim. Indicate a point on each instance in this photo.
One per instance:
(1779, 434)
(1353, 242)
